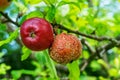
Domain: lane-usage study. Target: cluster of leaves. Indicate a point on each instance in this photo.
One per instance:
(98, 18)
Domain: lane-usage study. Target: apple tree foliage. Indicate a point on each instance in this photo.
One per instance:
(95, 22)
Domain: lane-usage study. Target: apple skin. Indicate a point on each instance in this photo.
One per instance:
(65, 48)
(36, 34)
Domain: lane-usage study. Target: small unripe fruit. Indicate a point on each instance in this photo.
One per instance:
(36, 34)
(65, 48)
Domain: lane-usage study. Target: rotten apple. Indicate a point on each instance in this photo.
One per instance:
(65, 48)
(36, 34)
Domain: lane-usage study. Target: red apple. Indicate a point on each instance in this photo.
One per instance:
(36, 34)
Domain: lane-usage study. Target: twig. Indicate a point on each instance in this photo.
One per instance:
(100, 50)
(69, 30)
(62, 68)
(8, 18)
(90, 49)
(86, 35)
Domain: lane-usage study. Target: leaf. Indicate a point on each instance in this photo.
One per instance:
(95, 65)
(12, 37)
(26, 52)
(116, 63)
(102, 62)
(64, 3)
(51, 14)
(22, 19)
(51, 66)
(35, 14)
(32, 2)
(74, 70)
(2, 27)
(113, 72)
(1, 54)
(22, 7)
(4, 68)
(16, 74)
(41, 57)
(50, 1)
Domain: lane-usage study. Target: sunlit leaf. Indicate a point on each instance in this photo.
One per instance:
(117, 63)
(103, 78)
(113, 72)
(85, 54)
(65, 2)
(13, 36)
(51, 14)
(102, 62)
(41, 57)
(26, 52)
(22, 8)
(22, 19)
(4, 68)
(16, 74)
(33, 1)
(51, 66)
(50, 2)
(95, 65)
(74, 70)
(35, 14)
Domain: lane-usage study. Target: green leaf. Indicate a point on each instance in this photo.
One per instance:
(51, 66)
(51, 14)
(102, 62)
(41, 57)
(113, 72)
(85, 54)
(32, 2)
(103, 78)
(35, 14)
(4, 68)
(26, 52)
(95, 65)
(12, 37)
(3, 35)
(22, 19)
(2, 27)
(74, 70)
(1, 54)
(50, 1)
(64, 3)
(16, 74)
